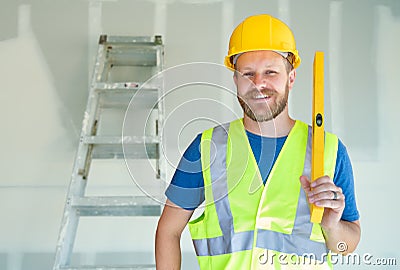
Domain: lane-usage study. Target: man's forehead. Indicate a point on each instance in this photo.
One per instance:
(253, 58)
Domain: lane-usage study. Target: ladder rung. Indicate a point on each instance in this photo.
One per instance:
(116, 206)
(119, 140)
(105, 267)
(122, 87)
(132, 56)
(130, 39)
(118, 147)
(117, 97)
(129, 151)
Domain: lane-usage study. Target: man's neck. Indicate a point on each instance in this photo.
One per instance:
(278, 127)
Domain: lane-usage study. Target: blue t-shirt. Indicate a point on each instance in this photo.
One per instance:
(187, 185)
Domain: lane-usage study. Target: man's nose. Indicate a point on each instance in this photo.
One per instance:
(259, 81)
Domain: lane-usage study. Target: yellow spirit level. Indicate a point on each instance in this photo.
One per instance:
(317, 152)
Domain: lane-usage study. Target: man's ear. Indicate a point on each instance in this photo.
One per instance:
(292, 78)
(235, 78)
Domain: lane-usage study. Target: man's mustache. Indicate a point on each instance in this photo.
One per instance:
(254, 92)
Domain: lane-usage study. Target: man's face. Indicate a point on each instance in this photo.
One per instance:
(263, 84)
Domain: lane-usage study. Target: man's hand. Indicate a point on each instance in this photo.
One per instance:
(324, 193)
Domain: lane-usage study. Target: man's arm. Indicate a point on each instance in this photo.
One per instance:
(168, 235)
(344, 237)
(341, 236)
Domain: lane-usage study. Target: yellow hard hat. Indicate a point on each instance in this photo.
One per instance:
(261, 32)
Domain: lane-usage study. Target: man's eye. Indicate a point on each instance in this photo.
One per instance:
(248, 74)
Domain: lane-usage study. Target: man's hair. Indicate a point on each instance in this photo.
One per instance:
(289, 62)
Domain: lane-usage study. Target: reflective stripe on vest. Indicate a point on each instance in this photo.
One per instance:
(228, 240)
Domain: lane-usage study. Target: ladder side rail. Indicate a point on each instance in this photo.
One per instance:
(77, 186)
(161, 113)
(99, 66)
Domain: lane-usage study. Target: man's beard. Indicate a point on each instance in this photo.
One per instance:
(271, 111)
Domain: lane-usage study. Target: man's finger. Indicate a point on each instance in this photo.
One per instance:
(321, 180)
(305, 183)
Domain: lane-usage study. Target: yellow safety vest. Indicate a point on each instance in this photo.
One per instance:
(246, 225)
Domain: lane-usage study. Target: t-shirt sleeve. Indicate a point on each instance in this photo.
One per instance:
(187, 185)
(344, 179)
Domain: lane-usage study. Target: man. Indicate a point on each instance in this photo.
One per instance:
(253, 173)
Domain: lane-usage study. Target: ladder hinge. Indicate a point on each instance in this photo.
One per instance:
(103, 39)
(158, 40)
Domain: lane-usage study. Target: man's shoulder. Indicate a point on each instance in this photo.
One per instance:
(223, 125)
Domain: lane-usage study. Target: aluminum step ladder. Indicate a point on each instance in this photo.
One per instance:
(122, 66)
